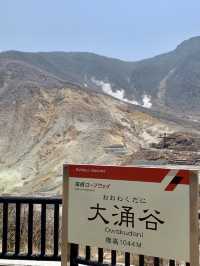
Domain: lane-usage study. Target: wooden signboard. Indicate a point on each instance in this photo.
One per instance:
(144, 210)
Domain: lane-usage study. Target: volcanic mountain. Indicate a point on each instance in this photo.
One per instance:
(168, 82)
(54, 108)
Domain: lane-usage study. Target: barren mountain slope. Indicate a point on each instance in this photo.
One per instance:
(41, 128)
(168, 81)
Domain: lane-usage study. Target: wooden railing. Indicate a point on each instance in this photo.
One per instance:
(43, 205)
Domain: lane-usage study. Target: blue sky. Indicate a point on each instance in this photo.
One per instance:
(126, 29)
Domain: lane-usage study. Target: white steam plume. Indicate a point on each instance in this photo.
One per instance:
(119, 94)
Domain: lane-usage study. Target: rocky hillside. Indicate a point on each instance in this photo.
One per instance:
(168, 82)
(43, 125)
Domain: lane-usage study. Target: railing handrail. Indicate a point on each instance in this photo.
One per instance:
(29, 199)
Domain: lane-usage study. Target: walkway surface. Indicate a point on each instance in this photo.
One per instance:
(28, 263)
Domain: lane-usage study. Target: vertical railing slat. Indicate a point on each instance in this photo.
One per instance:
(87, 253)
(141, 260)
(43, 229)
(156, 261)
(17, 228)
(172, 263)
(30, 229)
(73, 254)
(127, 259)
(5, 228)
(56, 229)
(113, 257)
(100, 255)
